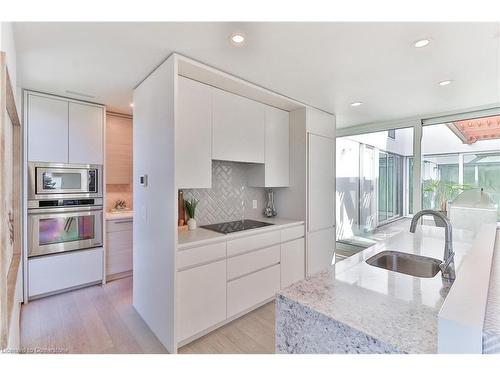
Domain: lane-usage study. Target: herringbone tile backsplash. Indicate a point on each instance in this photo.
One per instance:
(229, 198)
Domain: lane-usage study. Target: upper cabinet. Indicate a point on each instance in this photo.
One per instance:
(119, 149)
(276, 169)
(193, 135)
(85, 134)
(238, 129)
(320, 123)
(64, 131)
(47, 119)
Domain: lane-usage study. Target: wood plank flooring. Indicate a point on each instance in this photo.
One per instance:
(101, 319)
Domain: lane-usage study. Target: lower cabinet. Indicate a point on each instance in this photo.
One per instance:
(201, 298)
(248, 291)
(292, 262)
(119, 248)
(57, 272)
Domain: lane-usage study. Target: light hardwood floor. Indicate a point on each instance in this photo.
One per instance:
(101, 319)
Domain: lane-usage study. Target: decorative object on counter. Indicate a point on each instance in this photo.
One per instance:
(441, 192)
(190, 209)
(181, 221)
(270, 210)
(120, 205)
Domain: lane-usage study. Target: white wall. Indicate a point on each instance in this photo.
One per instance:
(155, 205)
(438, 139)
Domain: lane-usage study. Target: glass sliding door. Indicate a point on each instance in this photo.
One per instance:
(382, 187)
(390, 186)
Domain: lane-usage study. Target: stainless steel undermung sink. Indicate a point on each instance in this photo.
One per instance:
(408, 264)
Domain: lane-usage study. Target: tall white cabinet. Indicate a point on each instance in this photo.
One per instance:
(62, 130)
(320, 190)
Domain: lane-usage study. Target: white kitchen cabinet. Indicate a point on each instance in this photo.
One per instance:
(320, 250)
(57, 272)
(276, 169)
(238, 128)
(119, 248)
(320, 123)
(201, 294)
(321, 182)
(47, 122)
(292, 262)
(193, 135)
(119, 149)
(248, 291)
(85, 137)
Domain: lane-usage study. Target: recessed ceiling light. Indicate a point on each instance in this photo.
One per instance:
(356, 104)
(421, 43)
(132, 105)
(445, 83)
(237, 39)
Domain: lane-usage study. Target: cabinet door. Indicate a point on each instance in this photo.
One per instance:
(320, 250)
(277, 163)
(119, 150)
(47, 129)
(119, 251)
(321, 182)
(85, 134)
(320, 123)
(292, 262)
(193, 135)
(238, 128)
(201, 298)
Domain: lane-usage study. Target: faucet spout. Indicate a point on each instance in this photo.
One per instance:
(448, 265)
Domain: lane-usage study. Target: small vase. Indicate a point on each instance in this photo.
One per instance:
(191, 224)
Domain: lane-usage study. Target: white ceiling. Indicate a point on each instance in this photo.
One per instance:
(326, 65)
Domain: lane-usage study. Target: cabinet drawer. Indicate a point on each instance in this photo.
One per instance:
(259, 241)
(119, 225)
(200, 255)
(201, 295)
(251, 262)
(119, 252)
(292, 233)
(57, 272)
(251, 290)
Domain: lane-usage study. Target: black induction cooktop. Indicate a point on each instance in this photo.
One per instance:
(235, 226)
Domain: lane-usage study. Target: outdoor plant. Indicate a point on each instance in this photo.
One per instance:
(191, 207)
(443, 191)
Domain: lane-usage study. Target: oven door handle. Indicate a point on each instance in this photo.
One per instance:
(42, 211)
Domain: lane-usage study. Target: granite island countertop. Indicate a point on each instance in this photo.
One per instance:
(358, 308)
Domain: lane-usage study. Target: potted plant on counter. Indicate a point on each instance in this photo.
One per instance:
(190, 210)
(442, 192)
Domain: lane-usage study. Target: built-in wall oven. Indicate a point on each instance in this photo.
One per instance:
(65, 208)
(56, 180)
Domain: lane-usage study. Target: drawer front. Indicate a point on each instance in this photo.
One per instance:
(292, 233)
(201, 300)
(56, 272)
(251, 290)
(292, 262)
(200, 255)
(119, 252)
(251, 262)
(119, 225)
(259, 241)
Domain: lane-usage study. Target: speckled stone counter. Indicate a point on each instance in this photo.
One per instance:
(491, 329)
(356, 308)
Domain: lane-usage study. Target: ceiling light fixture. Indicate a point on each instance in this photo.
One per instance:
(132, 105)
(237, 39)
(421, 43)
(445, 83)
(356, 104)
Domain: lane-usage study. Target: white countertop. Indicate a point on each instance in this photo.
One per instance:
(200, 236)
(397, 309)
(119, 215)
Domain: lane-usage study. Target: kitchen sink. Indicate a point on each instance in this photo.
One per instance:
(408, 264)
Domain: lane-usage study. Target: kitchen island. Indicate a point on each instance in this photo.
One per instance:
(354, 307)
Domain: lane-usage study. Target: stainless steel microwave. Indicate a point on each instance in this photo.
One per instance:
(56, 180)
